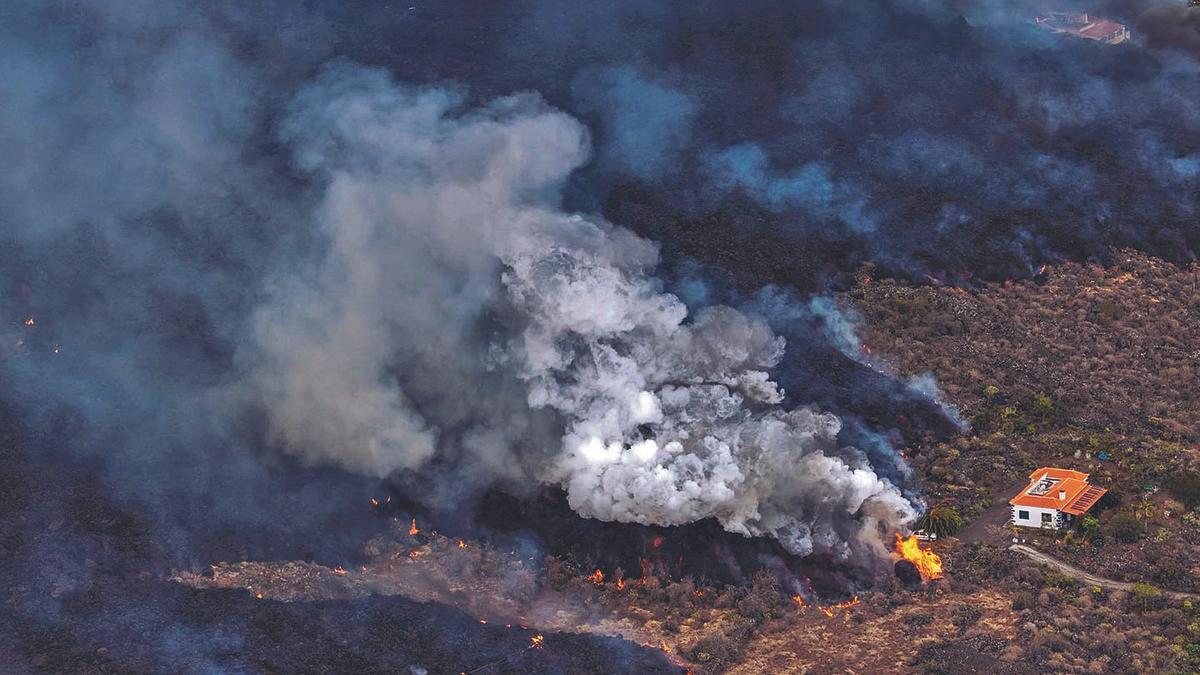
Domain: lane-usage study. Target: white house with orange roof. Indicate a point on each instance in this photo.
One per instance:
(1053, 497)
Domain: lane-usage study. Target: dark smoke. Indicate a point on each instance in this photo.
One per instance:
(1173, 26)
(539, 243)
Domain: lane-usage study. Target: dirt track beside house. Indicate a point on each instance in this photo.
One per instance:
(1087, 577)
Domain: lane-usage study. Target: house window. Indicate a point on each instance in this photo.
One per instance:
(1047, 518)
(1022, 515)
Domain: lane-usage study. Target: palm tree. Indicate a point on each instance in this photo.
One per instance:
(940, 520)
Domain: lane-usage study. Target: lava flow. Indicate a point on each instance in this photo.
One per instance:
(928, 563)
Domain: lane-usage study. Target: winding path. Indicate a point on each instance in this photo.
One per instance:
(1087, 577)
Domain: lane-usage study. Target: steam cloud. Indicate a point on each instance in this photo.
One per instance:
(451, 267)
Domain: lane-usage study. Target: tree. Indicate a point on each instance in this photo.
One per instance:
(1125, 527)
(1185, 486)
(941, 520)
(1090, 526)
(1145, 597)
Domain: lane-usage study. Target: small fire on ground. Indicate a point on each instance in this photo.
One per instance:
(829, 610)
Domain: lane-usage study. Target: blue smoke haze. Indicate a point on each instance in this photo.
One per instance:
(646, 125)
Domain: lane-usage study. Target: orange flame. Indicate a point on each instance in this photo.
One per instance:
(666, 647)
(928, 563)
(620, 584)
(374, 502)
(828, 610)
(536, 642)
(657, 542)
(412, 529)
(799, 600)
(646, 569)
(698, 594)
(30, 321)
(462, 544)
(339, 570)
(597, 577)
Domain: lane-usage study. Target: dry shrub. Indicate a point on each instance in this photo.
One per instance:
(965, 616)
(1024, 600)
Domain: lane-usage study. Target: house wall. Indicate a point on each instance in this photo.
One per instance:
(1035, 516)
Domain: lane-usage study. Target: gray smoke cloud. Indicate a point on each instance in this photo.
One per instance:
(460, 313)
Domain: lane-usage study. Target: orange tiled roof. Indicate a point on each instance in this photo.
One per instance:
(1100, 29)
(1061, 474)
(1078, 495)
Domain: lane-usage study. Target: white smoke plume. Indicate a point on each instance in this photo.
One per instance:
(461, 314)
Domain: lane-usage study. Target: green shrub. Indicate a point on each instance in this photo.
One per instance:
(1042, 405)
(1125, 528)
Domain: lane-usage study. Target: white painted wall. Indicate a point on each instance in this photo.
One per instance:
(1035, 516)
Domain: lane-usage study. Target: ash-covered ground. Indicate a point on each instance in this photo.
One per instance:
(87, 588)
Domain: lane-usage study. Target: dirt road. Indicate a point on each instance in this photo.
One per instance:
(1086, 577)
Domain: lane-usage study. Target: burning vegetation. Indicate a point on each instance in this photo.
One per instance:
(928, 563)
(700, 627)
